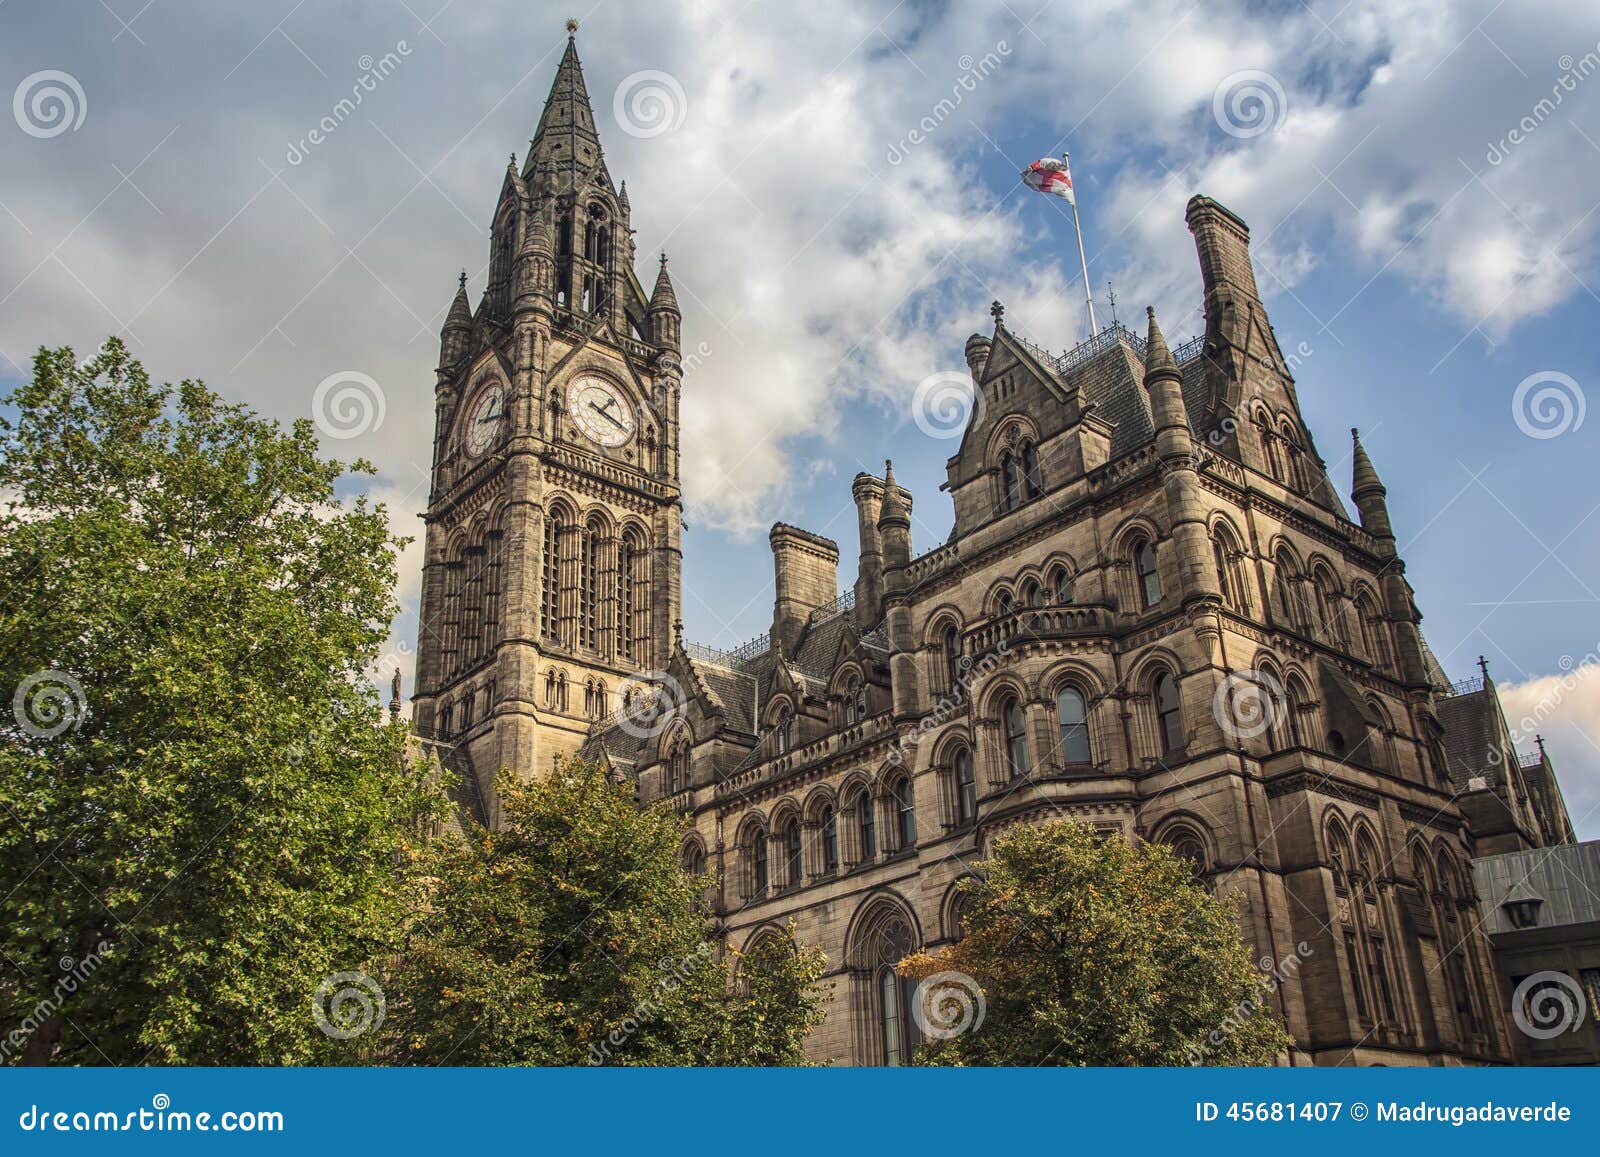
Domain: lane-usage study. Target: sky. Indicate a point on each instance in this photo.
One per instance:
(836, 185)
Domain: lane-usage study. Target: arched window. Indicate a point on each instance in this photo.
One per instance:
(1010, 482)
(1169, 721)
(1186, 844)
(1287, 587)
(627, 558)
(892, 994)
(1014, 720)
(1032, 594)
(828, 824)
(561, 690)
(444, 721)
(1144, 564)
(1374, 633)
(550, 608)
(1297, 700)
(1269, 447)
(760, 876)
(589, 593)
(678, 766)
(1072, 713)
(1061, 584)
(1030, 471)
(966, 788)
(694, 860)
(1230, 575)
(793, 863)
(855, 700)
(783, 731)
(905, 813)
(952, 659)
(1003, 604)
(867, 826)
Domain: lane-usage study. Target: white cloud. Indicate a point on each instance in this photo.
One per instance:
(1565, 710)
(812, 268)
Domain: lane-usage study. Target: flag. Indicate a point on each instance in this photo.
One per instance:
(1049, 175)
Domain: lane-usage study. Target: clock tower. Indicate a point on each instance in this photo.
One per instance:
(551, 583)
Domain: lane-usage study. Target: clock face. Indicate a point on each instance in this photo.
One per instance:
(598, 410)
(485, 419)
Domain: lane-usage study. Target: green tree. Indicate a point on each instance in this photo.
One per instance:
(201, 809)
(1095, 951)
(572, 936)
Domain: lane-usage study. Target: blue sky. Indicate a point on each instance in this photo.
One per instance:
(829, 264)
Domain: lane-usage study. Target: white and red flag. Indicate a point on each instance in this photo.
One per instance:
(1049, 175)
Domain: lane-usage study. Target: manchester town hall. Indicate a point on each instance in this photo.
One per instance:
(1154, 615)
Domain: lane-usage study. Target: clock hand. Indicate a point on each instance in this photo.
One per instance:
(607, 417)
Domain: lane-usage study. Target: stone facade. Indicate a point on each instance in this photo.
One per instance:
(1153, 615)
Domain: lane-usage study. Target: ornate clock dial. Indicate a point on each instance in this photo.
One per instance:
(597, 408)
(485, 420)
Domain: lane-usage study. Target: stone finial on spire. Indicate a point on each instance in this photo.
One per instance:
(663, 297)
(998, 312)
(677, 632)
(572, 27)
(1158, 358)
(1364, 480)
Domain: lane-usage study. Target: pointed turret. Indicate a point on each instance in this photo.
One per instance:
(1158, 359)
(566, 140)
(665, 316)
(1370, 495)
(457, 327)
(894, 522)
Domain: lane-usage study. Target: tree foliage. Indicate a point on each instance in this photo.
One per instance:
(572, 936)
(200, 807)
(1100, 951)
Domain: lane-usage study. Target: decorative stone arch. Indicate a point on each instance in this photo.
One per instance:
(1001, 599)
(883, 931)
(1233, 571)
(753, 843)
(1060, 575)
(1189, 837)
(858, 818)
(952, 906)
(692, 850)
(944, 636)
(1301, 714)
(1126, 552)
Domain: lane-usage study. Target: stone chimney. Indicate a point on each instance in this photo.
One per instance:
(806, 574)
(868, 493)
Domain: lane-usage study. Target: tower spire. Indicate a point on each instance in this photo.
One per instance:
(566, 139)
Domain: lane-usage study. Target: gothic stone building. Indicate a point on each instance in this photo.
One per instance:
(1153, 615)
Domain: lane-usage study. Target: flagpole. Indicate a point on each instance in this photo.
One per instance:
(1088, 291)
